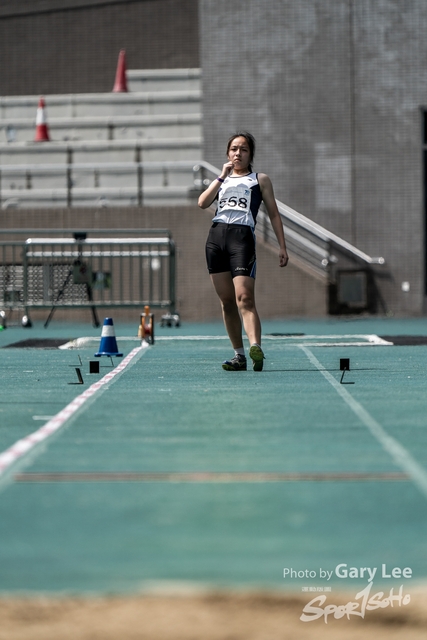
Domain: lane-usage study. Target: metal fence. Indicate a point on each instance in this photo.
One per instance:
(47, 272)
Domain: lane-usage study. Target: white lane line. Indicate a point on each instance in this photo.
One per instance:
(345, 340)
(398, 453)
(24, 446)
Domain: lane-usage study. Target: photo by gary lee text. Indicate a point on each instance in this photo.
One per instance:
(344, 571)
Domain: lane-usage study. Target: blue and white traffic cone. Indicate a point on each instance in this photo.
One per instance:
(108, 346)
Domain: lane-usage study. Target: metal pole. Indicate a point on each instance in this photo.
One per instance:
(172, 276)
(25, 277)
(202, 178)
(139, 175)
(69, 177)
(140, 184)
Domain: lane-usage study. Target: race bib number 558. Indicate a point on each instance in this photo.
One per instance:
(237, 199)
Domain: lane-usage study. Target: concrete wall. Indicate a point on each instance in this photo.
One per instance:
(72, 46)
(280, 292)
(332, 90)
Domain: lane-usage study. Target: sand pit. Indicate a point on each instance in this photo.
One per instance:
(209, 616)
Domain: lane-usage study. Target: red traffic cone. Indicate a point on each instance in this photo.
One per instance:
(120, 84)
(42, 131)
(108, 345)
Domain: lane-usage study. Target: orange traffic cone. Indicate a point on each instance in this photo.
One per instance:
(146, 327)
(120, 84)
(42, 131)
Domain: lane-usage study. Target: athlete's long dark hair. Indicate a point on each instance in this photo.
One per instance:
(251, 143)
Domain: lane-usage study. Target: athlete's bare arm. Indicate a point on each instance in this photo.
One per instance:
(274, 215)
(208, 196)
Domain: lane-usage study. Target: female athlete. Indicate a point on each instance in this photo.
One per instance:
(230, 247)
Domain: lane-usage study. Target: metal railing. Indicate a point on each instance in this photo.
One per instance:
(312, 243)
(104, 271)
(320, 252)
(97, 183)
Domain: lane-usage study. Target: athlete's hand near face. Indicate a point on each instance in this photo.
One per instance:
(208, 196)
(227, 168)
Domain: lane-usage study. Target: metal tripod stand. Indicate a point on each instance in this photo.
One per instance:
(79, 238)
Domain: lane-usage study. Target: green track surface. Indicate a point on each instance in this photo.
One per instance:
(180, 471)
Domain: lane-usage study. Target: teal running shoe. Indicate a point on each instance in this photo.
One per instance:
(257, 356)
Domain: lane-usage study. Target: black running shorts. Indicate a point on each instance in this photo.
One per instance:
(231, 247)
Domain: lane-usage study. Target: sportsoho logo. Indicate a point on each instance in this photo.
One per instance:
(363, 601)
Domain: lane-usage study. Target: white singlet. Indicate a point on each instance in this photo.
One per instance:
(239, 199)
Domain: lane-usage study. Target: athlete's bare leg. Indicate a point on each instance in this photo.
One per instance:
(245, 296)
(238, 295)
(223, 283)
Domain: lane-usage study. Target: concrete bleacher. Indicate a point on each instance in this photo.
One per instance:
(165, 79)
(106, 127)
(130, 148)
